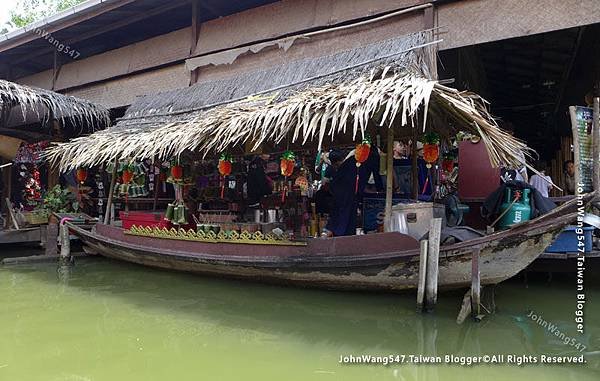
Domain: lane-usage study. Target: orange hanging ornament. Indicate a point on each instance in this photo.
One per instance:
(361, 154)
(224, 167)
(431, 148)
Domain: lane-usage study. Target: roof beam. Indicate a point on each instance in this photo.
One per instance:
(30, 35)
(105, 29)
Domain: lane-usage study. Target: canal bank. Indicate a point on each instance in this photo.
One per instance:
(175, 326)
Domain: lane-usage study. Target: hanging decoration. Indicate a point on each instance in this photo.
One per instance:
(31, 153)
(81, 174)
(176, 170)
(33, 190)
(286, 164)
(431, 148)
(225, 162)
(448, 162)
(361, 154)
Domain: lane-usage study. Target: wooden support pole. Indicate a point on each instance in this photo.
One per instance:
(389, 188)
(65, 244)
(576, 153)
(111, 192)
(596, 143)
(433, 253)
(415, 166)
(422, 276)
(156, 182)
(475, 284)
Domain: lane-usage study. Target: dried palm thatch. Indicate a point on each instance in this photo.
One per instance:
(390, 89)
(47, 104)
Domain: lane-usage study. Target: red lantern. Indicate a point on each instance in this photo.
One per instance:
(127, 176)
(81, 175)
(361, 154)
(177, 172)
(224, 169)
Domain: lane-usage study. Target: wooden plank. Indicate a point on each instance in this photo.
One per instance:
(389, 188)
(422, 275)
(433, 252)
(465, 309)
(51, 238)
(475, 284)
(11, 213)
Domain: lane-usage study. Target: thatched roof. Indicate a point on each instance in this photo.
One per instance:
(386, 83)
(47, 104)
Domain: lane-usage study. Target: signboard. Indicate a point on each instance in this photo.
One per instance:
(581, 124)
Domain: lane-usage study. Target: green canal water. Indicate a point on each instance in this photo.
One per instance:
(106, 320)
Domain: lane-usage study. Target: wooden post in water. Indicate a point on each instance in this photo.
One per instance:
(65, 244)
(389, 189)
(475, 284)
(422, 275)
(433, 253)
(111, 192)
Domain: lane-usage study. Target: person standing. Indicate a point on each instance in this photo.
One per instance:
(542, 183)
(569, 168)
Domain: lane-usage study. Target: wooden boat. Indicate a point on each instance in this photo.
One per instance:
(382, 262)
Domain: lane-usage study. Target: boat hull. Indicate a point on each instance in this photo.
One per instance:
(379, 262)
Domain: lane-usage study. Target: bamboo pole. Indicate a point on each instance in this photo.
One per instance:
(389, 180)
(111, 192)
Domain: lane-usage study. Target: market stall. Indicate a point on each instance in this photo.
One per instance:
(30, 119)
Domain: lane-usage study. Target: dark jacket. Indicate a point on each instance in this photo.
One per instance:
(258, 185)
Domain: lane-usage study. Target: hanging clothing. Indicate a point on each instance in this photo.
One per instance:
(258, 183)
(342, 219)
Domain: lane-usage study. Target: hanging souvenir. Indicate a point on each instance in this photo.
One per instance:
(224, 169)
(361, 154)
(286, 164)
(431, 148)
